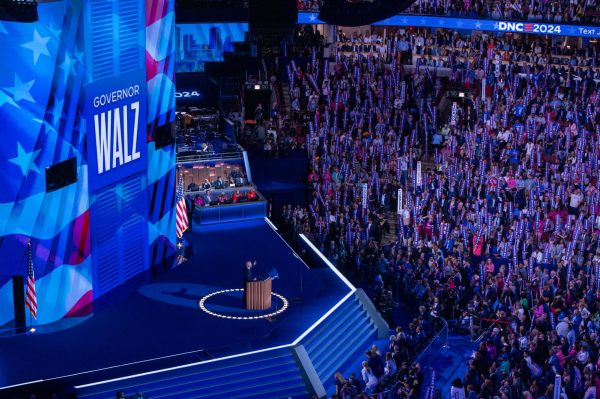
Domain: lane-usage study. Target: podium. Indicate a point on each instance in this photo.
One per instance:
(258, 294)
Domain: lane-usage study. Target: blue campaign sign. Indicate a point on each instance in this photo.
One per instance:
(116, 128)
(474, 24)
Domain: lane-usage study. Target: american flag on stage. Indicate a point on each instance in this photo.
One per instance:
(182, 217)
(31, 296)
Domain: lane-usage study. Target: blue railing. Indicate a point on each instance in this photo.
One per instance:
(437, 343)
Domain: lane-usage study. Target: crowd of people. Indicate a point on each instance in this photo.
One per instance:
(499, 214)
(557, 11)
(448, 49)
(309, 5)
(562, 11)
(392, 370)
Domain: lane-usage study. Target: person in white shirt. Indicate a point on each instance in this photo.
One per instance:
(562, 328)
(419, 43)
(529, 148)
(457, 391)
(397, 102)
(325, 88)
(369, 378)
(575, 200)
(505, 136)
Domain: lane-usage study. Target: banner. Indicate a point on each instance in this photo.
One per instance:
(419, 177)
(453, 114)
(365, 195)
(399, 207)
(557, 387)
(116, 128)
(536, 28)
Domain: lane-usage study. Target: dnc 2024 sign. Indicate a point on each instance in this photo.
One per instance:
(473, 24)
(116, 128)
(528, 27)
(551, 29)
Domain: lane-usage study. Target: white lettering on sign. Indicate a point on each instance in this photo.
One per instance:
(116, 96)
(186, 94)
(529, 27)
(112, 137)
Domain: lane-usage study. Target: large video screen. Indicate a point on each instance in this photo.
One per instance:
(207, 42)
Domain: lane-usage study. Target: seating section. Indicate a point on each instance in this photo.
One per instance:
(272, 374)
(339, 338)
(227, 199)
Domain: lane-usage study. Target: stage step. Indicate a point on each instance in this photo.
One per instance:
(339, 338)
(272, 374)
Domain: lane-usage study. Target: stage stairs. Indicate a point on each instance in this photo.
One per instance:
(297, 370)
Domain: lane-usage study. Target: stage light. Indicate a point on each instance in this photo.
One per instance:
(32, 330)
(202, 306)
(256, 87)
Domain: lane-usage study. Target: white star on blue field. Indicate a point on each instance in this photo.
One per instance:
(25, 160)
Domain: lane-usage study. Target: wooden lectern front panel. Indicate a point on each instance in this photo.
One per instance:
(258, 295)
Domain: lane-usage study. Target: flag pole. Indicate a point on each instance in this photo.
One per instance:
(31, 328)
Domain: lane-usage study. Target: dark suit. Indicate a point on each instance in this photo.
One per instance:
(376, 364)
(249, 274)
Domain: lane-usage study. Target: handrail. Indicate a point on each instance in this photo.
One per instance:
(425, 358)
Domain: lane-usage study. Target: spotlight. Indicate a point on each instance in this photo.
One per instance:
(32, 330)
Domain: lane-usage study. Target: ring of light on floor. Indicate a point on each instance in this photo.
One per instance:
(202, 302)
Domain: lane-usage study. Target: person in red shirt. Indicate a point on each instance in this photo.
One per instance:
(236, 196)
(252, 195)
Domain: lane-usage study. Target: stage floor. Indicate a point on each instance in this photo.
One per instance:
(163, 318)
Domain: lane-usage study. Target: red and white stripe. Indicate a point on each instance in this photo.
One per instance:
(182, 218)
(181, 210)
(31, 296)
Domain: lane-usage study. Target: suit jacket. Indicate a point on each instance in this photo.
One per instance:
(249, 274)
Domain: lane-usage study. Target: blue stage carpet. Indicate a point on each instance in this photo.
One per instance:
(162, 318)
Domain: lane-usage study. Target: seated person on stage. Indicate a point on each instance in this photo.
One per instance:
(231, 181)
(193, 187)
(199, 201)
(219, 183)
(238, 177)
(236, 196)
(210, 200)
(205, 184)
(252, 195)
(222, 198)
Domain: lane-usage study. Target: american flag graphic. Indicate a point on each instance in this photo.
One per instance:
(31, 296)
(182, 217)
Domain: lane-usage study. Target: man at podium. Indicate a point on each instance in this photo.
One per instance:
(257, 290)
(249, 272)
